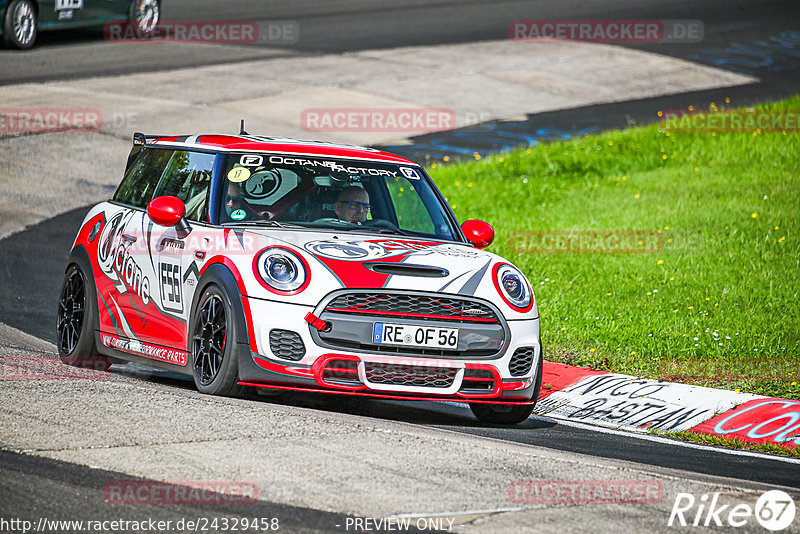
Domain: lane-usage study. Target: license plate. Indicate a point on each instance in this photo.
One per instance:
(415, 336)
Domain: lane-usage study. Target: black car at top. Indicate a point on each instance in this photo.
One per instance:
(24, 19)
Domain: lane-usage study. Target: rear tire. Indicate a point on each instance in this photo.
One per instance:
(76, 321)
(215, 367)
(20, 25)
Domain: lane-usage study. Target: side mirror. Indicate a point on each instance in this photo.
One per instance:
(169, 211)
(478, 232)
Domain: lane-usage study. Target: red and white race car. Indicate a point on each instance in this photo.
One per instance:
(249, 261)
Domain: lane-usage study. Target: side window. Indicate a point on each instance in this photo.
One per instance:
(188, 177)
(141, 178)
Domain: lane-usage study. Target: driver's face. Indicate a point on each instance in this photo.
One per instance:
(353, 207)
(234, 201)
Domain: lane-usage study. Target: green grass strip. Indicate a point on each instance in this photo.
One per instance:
(731, 443)
(702, 284)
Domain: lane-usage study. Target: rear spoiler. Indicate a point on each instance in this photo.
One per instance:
(141, 139)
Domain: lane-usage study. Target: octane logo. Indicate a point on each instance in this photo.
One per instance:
(774, 510)
(116, 261)
(108, 237)
(347, 250)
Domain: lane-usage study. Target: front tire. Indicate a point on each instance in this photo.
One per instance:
(508, 414)
(501, 414)
(20, 25)
(214, 365)
(76, 321)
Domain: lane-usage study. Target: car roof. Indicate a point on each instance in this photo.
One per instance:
(282, 145)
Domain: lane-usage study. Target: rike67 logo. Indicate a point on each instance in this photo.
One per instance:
(774, 510)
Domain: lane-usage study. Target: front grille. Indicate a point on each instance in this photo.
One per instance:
(410, 375)
(521, 361)
(286, 344)
(411, 305)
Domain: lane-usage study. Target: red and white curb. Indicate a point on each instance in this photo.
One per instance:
(638, 404)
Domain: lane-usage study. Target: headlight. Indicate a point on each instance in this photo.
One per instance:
(282, 269)
(512, 286)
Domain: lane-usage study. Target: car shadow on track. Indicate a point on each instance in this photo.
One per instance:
(440, 414)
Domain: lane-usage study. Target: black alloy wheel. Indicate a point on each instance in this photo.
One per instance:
(209, 339)
(75, 321)
(71, 311)
(215, 364)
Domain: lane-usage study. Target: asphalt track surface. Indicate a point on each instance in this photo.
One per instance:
(29, 484)
(32, 261)
(348, 25)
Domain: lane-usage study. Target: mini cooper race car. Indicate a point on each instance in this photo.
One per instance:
(265, 262)
(24, 19)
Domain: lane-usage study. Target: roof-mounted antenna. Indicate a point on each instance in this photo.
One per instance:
(242, 132)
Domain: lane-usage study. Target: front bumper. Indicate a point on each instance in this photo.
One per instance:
(323, 368)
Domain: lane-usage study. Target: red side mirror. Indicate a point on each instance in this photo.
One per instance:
(479, 233)
(166, 211)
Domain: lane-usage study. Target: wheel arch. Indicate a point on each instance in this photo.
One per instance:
(80, 255)
(221, 275)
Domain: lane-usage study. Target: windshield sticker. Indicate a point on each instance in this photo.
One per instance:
(332, 165)
(409, 173)
(238, 174)
(263, 184)
(248, 160)
(238, 215)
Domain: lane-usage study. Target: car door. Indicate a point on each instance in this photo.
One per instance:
(188, 177)
(106, 10)
(126, 279)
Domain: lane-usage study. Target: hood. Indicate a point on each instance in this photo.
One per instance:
(386, 261)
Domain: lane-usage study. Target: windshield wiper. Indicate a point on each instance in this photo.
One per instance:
(352, 227)
(273, 224)
(378, 230)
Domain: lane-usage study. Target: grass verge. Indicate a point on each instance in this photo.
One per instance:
(700, 284)
(731, 443)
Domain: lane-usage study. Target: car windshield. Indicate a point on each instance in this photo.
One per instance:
(346, 195)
